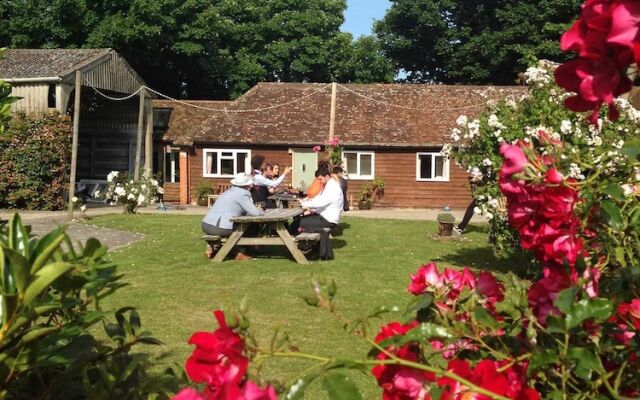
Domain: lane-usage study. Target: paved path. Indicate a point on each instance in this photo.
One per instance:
(43, 222)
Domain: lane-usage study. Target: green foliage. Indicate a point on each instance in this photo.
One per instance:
(5, 100)
(208, 48)
(202, 190)
(446, 218)
(34, 161)
(50, 305)
(473, 41)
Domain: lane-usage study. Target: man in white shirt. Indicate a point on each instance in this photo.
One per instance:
(323, 211)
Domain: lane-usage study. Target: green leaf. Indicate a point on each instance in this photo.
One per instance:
(296, 391)
(36, 333)
(555, 324)
(543, 358)
(620, 256)
(631, 149)
(586, 362)
(484, 318)
(18, 236)
(340, 387)
(46, 247)
(615, 191)
(44, 278)
(421, 302)
(565, 299)
(19, 271)
(311, 300)
(613, 216)
(597, 309)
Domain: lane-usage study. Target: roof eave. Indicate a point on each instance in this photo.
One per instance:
(55, 79)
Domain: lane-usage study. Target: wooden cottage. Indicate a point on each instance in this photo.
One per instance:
(391, 131)
(45, 81)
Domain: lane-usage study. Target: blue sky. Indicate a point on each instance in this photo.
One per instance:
(360, 15)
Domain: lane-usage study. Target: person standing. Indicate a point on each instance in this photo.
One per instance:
(344, 185)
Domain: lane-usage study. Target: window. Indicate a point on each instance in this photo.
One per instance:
(51, 96)
(225, 163)
(161, 119)
(172, 166)
(359, 164)
(431, 166)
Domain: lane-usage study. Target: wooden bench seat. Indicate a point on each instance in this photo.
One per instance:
(307, 237)
(213, 239)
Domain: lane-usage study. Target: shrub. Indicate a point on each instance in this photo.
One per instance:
(50, 346)
(129, 193)
(446, 218)
(34, 162)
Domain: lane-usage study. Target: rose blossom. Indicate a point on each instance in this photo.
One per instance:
(514, 159)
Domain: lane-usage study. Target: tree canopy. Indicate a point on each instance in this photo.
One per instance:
(204, 48)
(473, 41)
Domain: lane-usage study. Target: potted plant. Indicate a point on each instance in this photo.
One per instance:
(202, 191)
(365, 197)
(445, 224)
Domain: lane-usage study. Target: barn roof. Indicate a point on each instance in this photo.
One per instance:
(102, 68)
(386, 115)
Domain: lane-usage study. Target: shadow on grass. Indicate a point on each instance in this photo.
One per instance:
(484, 259)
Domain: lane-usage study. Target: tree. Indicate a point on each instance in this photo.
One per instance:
(472, 41)
(203, 48)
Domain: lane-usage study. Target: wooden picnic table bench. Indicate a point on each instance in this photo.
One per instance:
(275, 218)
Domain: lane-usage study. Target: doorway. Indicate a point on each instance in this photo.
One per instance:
(305, 163)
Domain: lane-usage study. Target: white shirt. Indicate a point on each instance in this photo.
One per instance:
(328, 203)
(261, 180)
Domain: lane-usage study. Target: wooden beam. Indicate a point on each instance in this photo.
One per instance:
(74, 143)
(148, 141)
(136, 166)
(332, 117)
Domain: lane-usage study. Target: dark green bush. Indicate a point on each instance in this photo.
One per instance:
(51, 346)
(34, 161)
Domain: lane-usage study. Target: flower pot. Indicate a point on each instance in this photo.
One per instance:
(445, 228)
(364, 205)
(202, 201)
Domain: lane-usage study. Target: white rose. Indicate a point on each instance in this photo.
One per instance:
(486, 162)
(160, 190)
(462, 120)
(154, 182)
(120, 191)
(83, 208)
(96, 194)
(131, 196)
(141, 199)
(75, 199)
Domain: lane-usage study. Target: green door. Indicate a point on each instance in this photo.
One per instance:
(305, 163)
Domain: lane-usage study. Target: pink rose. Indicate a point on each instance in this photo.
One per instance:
(188, 394)
(316, 148)
(514, 159)
(251, 391)
(426, 276)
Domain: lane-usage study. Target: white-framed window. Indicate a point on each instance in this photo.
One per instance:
(172, 166)
(359, 164)
(225, 163)
(432, 166)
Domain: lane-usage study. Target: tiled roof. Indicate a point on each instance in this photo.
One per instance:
(366, 114)
(40, 63)
(186, 121)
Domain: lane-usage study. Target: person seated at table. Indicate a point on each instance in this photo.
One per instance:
(322, 211)
(275, 171)
(234, 202)
(261, 183)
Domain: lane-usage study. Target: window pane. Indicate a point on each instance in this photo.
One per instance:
(240, 162)
(365, 164)
(439, 167)
(226, 167)
(212, 163)
(352, 163)
(176, 161)
(425, 166)
(226, 154)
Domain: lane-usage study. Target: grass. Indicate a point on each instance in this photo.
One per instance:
(175, 288)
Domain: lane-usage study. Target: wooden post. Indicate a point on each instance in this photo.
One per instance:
(74, 143)
(332, 117)
(148, 141)
(136, 165)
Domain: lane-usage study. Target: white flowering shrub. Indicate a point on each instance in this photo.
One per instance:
(593, 152)
(131, 194)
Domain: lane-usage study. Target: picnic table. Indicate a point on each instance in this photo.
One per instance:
(274, 218)
(281, 198)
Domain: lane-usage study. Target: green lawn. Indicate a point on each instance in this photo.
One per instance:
(175, 287)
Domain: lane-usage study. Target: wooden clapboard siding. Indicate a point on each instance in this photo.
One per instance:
(398, 170)
(396, 167)
(274, 155)
(171, 192)
(33, 97)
